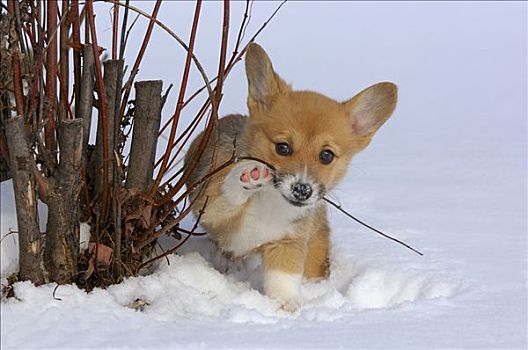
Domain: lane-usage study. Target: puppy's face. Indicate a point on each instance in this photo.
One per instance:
(309, 138)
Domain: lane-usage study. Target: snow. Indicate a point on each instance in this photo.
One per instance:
(447, 174)
(192, 290)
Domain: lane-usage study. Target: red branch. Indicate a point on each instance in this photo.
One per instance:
(17, 72)
(64, 66)
(212, 122)
(223, 53)
(51, 73)
(179, 105)
(76, 27)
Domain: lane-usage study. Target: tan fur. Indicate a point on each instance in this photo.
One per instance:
(309, 122)
(317, 260)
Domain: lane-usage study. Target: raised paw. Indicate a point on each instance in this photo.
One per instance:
(254, 175)
(245, 179)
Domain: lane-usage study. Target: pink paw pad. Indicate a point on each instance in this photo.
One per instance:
(255, 174)
(244, 177)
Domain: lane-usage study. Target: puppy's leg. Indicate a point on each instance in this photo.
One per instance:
(317, 260)
(244, 180)
(283, 263)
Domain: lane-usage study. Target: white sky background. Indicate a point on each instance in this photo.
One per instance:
(461, 67)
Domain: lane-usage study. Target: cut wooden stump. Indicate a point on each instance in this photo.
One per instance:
(61, 252)
(147, 119)
(22, 168)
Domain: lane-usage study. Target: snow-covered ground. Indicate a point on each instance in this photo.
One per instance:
(447, 174)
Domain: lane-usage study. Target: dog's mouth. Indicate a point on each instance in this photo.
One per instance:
(294, 202)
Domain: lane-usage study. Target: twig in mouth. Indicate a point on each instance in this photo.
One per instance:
(338, 207)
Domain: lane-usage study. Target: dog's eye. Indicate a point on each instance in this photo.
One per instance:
(283, 149)
(326, 156)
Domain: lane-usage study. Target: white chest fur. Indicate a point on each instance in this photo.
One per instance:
(267, 217)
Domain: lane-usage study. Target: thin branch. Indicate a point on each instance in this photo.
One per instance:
(64, 97)
(23, 39)
(179, 229)
(9, 233)
(139, 57)
(243, 26)
(103, 102)
(189, 235)
(185, 135)
(338, 207)
(115, 23)
(123, 29)
(128, 32)
(166, 95)
(223, 53)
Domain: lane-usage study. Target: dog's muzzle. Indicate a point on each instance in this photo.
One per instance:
(298, 190)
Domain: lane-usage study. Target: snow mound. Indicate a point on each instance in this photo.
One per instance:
(354, 283)
(189, 287)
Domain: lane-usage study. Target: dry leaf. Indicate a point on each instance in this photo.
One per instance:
(104, 257)
(138, 304)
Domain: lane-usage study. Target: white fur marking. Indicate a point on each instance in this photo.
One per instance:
(283, 286)
(268, 217)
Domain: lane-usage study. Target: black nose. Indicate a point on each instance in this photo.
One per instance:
(301, 191)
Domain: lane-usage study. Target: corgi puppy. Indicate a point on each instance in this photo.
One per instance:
(279, 213)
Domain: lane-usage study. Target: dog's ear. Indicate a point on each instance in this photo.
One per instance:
(264, 84)
(369, 109)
